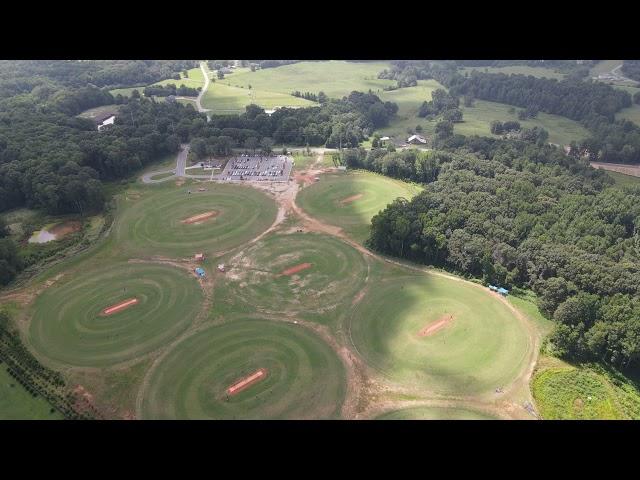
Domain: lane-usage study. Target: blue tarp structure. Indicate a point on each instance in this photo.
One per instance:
(500, 290)
(200, 272)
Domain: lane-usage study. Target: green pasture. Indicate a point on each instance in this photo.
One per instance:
(223, 97)
(153, 224)
(336, 274)
(336, 78)
(18, 404)
(193, 80)
(483, 348)
(305, 379)
(434, 413)
(333, 199)
(623, 180)
(68, 326)
(539, 72)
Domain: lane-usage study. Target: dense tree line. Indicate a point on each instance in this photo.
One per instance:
(577, 100)
(23, 76)
(572, 68)
(334, 123)
(170, 89)
(631, 69)
(594, 104)
(441, 104)
(516, 213)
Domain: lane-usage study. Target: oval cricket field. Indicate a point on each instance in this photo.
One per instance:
(177, 223)
(434, 413)
(107, 316)
(442, 334)
(349, 201)
(304, 378)
(297, 271)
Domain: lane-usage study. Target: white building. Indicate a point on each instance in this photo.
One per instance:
(416, 140)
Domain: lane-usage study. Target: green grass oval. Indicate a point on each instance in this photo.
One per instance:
(155, 222)
(337, 272)
(305, 379)
(434, 413)
(483, 348)
(68, 328)
(333, 199)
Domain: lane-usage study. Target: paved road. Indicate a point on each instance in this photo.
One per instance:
(179, 171)
(205, 74)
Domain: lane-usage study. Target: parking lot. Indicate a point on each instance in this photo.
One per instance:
(276, 168)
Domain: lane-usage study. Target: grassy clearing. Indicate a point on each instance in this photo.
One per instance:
(97, 111)
(350, 200)
(539, 72)
(631, 113)
(623, 180)
(305, 379)
(605, 66)
(565, 392)
(18, 404)
(335, 78)
(154, 221)
(483, 347)
(477, 121)
(434, 413)
(68, 326)
(193, 80)
(272, 87)
(223, 98)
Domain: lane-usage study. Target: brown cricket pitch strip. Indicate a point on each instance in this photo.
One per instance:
(119, 306)
(200, 217)
(352, 198)
(247, 381)
(296, 269)
(434, 327)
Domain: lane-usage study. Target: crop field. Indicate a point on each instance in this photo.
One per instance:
(160, 222)
(304, 379)
(70, 325)
(350, 200)
(434, 413)
(477, 344)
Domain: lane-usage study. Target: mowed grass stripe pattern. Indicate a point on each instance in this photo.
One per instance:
(325, 199)
(434, 413)
(155, 223)
(337, 272)
(68, 326)
(305, 379)
(482, 348)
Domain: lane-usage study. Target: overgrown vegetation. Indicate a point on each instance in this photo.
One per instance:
(37, 379)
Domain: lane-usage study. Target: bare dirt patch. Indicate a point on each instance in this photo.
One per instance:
(120, 306)
(247, 381)
(65, 228)
(350, 199)
(198, 219)
(296, 269)
(435, 327)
